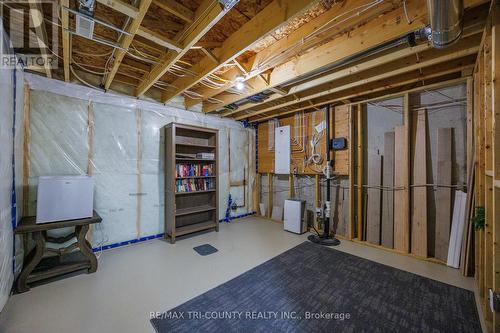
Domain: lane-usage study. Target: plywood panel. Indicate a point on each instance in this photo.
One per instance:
(374, 199)
(387, 233)
(302, 129)
(443, 194)
(400, 210)
(419, 202)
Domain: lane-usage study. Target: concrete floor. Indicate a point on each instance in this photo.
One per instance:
(154, 276)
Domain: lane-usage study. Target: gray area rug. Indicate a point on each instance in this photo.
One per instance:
(311, 288)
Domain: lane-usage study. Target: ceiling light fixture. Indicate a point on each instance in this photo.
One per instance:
(239, 83)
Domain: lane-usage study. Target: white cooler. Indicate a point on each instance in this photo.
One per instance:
(62, 198)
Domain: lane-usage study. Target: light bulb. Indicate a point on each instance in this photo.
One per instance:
(239, 85)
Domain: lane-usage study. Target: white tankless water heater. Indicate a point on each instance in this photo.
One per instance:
(62, 198)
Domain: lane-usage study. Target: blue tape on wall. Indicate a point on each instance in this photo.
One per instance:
(146, 238)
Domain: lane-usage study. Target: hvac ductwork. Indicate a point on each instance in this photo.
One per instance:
(446, 19)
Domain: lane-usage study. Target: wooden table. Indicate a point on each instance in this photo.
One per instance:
(42, 263)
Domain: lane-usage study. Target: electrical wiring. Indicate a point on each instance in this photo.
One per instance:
(325, 27)
(92, 54)
(83, 81)
(73, 62)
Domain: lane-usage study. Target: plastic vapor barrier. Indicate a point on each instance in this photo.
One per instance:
(10, 115)
(118, 140)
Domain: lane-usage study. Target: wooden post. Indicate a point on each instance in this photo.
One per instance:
(270, 194)
(256, 194)
(352, 220)
(488, 180)
(402, 181)
(291, 187)
(360, 172)
(495, 111)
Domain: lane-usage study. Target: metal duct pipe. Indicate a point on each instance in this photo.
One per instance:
(446, 18)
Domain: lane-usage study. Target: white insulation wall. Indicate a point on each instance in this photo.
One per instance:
(77, 130)
(11, 99)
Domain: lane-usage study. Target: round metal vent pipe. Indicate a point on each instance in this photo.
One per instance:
(446, 18)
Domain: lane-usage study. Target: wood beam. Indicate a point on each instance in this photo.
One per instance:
(266, 21)
(126, 40)
(472, 27)
(320, 28)
(386, 27)
(404, 65)
(173, 7)
(495, 112)
(36, 15)
(121, 6)
(206, 16)
(65, 38)
(391, 83)
(157, 38)
(359, 170)
(389, 26)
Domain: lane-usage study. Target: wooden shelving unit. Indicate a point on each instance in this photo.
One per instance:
(195, 209)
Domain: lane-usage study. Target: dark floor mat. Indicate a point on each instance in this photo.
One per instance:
(205, 249)
(311, 288)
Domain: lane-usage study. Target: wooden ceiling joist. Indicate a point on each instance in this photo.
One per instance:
(266, 21)
(36, 15)
(466, 47)
(206, 16)
(127, 40)
(472, 27)
(158, 39)
(121, 7)
(386, 27)
(436, 74)
(320, 28)
(176, 9)
(65, 38)
(379, 84)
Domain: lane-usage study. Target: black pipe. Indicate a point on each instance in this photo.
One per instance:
(325, 239)
(328, 165)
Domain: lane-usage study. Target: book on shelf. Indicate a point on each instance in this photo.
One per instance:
(185, 155)
(194, 170)
(194, 185)
(205, 156)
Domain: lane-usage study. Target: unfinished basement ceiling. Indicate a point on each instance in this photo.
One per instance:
(197, 50)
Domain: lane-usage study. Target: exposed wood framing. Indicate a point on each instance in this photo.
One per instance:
(36, 15)
(300, 39)
(352, 179)
(468, 46)
(177, 9)
(158, 39)
(439, 71)
(359, 171)
(126, 40)
(266, 21)
(65, 38)
(375, 32)
(269, 194)
(206, 16)
(121, 6)
(495, 98)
